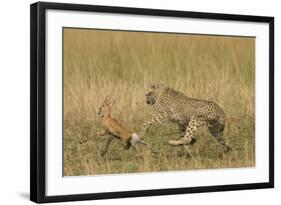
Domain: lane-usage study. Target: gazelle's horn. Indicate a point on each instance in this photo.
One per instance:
(113, 101)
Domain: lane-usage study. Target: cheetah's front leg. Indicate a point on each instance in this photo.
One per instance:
(188, 138)
(158, 119)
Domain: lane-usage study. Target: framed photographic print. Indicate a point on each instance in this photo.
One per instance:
(129, 102)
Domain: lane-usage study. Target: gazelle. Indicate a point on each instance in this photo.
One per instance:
(114, 129)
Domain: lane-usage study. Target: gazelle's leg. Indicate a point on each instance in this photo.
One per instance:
(188, 138)
(102, 133)
(138, 155)
(158, 119)
(145, 143)
(135, 148)
(109, 140)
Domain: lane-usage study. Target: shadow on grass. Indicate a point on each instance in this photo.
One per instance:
(24, 195)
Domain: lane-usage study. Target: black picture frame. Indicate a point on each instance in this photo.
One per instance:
(38, 101)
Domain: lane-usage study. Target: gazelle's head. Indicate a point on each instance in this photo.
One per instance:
(105, 108)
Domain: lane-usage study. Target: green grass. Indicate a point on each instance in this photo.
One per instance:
(122, 65)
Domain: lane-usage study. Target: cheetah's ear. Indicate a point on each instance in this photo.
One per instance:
(153, 85)
(156, 85)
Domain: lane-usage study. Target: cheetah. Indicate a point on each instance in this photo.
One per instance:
(189, 113)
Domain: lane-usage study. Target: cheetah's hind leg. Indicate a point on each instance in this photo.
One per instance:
(188, 138)
(218, 135)
(182, 130)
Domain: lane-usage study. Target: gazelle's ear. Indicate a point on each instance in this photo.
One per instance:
(106, 101)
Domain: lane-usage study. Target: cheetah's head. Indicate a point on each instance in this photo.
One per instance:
(154, 91)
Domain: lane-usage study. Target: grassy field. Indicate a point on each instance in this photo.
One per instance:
(122, 65)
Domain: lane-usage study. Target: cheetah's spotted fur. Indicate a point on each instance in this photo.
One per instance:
(189, 113)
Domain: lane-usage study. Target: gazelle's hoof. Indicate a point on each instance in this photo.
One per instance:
(102, 153)
(227, 149)
(139, 156)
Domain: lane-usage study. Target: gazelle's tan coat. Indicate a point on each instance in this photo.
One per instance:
(114, 129)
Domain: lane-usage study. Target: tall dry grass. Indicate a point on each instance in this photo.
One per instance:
(122, 64)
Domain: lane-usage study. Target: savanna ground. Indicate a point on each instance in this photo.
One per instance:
(122, 64)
